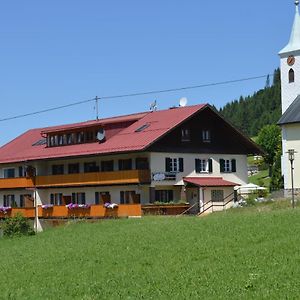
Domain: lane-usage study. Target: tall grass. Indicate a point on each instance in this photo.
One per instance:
(245, 253)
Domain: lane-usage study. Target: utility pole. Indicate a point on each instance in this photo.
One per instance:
(96, 106)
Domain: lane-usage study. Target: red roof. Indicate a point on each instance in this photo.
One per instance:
(123, 140)
(209, 181)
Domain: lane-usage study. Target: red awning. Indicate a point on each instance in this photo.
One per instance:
(208, 181)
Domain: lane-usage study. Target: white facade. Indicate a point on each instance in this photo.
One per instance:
(157, 164)
(289, 90)
(290, 62)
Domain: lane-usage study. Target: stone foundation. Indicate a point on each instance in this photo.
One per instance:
(288, 193)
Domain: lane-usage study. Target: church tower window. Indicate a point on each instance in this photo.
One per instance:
(291, 76)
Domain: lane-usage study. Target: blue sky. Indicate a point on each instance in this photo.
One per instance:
(58, 52)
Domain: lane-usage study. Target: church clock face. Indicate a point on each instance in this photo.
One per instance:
(291, 60)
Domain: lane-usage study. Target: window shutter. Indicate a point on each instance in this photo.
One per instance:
(210, 165)
(222, 165)
(233, 165)
(197, 165)
(180, 164)
(168, 164)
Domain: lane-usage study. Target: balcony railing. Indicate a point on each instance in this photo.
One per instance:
(80, 179)
(15, 183)
(94, 211)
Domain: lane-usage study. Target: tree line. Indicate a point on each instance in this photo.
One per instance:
(251, 113)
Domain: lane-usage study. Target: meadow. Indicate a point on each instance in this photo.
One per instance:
(248, 253)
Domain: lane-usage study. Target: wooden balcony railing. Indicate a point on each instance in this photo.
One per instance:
(94, 211)
(97, 178)
(80, 179)
(15, 183)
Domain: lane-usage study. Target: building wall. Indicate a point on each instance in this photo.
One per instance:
(157, 164)
(291, 140)
(289, 91)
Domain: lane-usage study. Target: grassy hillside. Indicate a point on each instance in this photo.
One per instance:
(239, 254)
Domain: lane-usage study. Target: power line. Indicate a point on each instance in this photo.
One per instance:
(96, 99)
(185, 88)
(47, 110)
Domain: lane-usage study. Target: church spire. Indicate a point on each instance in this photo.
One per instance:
(294, 43)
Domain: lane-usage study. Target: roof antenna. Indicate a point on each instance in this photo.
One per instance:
(153, 106)
(96, 107)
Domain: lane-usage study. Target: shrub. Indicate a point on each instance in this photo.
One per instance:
(16, 226)
(251, 200)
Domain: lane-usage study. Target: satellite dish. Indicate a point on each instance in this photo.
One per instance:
(153, 106)
(101, 135)
(183, 102)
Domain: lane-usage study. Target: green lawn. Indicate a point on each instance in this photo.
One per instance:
(239, 254)
(261, 178)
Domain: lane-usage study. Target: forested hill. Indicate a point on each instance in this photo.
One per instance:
(251, 113)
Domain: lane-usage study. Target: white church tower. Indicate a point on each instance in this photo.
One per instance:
(290, 91)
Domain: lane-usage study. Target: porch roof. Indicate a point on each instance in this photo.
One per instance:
(208, 181)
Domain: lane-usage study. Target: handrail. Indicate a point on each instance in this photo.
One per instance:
(211, 206)
(215, 205)
(188, 209)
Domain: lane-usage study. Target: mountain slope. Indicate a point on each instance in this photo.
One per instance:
(251, 113)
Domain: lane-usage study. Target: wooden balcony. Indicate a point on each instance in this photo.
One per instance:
(97, 178)
(16, 183)
(94, 211)
(80, 179)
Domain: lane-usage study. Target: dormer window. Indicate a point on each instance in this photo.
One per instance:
(185, 135)
(291, 76)
(206, 136)
(88, 135)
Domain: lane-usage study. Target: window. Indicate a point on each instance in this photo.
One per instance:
(57, 169)
(21, 171)
(227, 165)
(125, 164)
(164, 195)
(56, 198)
(128, 197)
(185, 135)
(143, 127)
(89, 136)
(206, 137)
(9, 173)
(291, 76)
(79, 137)
(40, 142)
(24, 199)
(141, 163)
(174, 164)
(107, 166)
(60, 140)
(56, 140)
(217, 195)
(78, 198)
(73, 168)
(102, 197)
(9, 200)
(70, 138)
(90, 167)
(203, 165)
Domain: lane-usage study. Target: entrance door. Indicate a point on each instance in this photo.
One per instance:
(193, 199)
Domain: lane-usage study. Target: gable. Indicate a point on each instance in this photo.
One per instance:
(224, 137)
